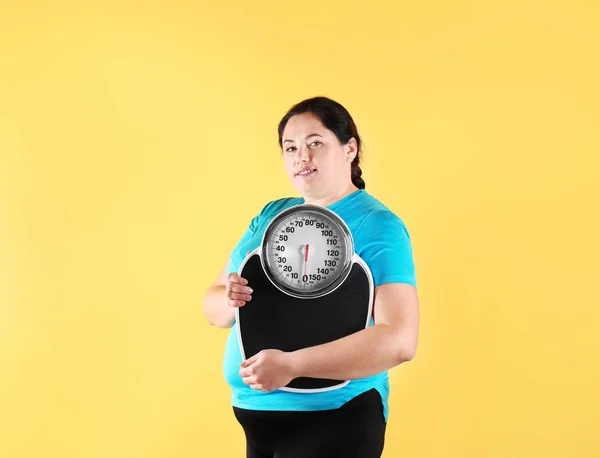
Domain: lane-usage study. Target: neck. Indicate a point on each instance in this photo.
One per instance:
(330, 198)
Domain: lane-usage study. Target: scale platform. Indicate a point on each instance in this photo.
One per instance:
(276, 320)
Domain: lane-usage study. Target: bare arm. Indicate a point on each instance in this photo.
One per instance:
(220, 300)
(390, 342)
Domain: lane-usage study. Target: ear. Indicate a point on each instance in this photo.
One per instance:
(351, 149)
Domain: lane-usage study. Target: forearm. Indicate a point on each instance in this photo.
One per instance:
(362, 354)
(215, 307)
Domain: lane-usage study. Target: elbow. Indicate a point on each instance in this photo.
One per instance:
(218, 324)
(219, 321)
(408, 354)
(404, 353)
(210, 321)
(401, 348)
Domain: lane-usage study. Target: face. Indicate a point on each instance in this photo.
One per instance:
(316, 162)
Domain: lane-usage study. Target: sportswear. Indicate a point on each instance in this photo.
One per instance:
(355, 430)
(382, 240)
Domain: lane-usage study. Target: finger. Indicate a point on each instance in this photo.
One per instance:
(250, 361)
(239, 296)
(235, 278)
(235, 304)
(249, 380)
(258, 387)
(245, 372)
(237, 288)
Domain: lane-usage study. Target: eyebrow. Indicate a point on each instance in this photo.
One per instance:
(289, 140)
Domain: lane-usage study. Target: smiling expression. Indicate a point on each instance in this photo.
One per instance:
(315, 160)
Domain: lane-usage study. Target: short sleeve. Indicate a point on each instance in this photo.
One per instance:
(247, 235)
(248, 241)
(383, 242)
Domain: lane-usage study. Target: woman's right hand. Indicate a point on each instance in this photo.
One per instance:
(236, 290)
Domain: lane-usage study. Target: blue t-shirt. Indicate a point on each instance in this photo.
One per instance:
(382, 241)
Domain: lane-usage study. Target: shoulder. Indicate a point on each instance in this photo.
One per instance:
(382, 240)
(377, 216)
(382, 219)
(276, 206)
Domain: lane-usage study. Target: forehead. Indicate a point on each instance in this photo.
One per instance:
(302, 125)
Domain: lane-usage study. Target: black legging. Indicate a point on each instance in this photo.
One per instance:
(355, 430)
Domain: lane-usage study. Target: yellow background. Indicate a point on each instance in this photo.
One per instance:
(137, 140)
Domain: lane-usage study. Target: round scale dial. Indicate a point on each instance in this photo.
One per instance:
(307, 251)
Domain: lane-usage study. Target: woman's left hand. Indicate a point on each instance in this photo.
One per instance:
(268, 370)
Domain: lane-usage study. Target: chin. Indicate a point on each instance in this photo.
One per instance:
(305, 188)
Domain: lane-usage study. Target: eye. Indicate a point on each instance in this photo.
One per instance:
(291, 149)
(315, 143)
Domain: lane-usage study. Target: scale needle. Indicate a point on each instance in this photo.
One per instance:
(305, 262)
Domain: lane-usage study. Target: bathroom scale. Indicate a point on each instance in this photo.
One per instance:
(309, 288)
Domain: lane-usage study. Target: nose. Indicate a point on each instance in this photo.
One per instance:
(302, 154)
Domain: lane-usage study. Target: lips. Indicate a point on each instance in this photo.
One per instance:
(306, 172)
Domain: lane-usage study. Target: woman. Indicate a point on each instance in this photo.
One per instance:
(321, 149)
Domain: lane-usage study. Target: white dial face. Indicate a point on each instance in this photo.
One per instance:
(307, 251)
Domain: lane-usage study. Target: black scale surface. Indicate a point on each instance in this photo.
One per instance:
(274, 320)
